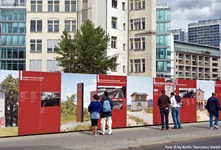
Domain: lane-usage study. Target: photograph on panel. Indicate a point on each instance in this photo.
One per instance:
(187, 92)
(114, 91)
(50, 99)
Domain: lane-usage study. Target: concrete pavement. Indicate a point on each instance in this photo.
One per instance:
(124, 138)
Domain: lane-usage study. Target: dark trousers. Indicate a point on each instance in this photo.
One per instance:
(164, 114)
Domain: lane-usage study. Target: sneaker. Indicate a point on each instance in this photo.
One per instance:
(174, 128)
(211, 127)
(216, 127)
(101, 133)
(109, 133)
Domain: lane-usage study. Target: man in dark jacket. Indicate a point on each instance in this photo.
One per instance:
(164, 103)
(106, 114)
(213, 108)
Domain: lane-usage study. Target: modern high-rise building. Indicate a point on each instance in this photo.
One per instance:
(179, 35)
(13, 31)
(164, 50)
(142, 38)
(206, 32)
(196, 61)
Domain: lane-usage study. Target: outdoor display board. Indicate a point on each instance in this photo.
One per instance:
(39, 102)
(46, 102)
(116, 86)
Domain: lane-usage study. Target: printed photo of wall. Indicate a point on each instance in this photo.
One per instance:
(8, 100)
(139, 101)
(203, 93)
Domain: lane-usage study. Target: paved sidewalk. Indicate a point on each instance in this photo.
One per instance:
(121, 139)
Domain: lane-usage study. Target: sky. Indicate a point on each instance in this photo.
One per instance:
(184, 12)
(207, 86)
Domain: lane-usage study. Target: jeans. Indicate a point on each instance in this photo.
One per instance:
(109, 124)
(176, 117)
(211, 115)
(164, 113)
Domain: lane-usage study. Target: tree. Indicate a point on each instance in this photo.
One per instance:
(10, 84)
(86, 52)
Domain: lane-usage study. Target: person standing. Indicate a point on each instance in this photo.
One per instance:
(106, 114)
(213, 107)
(94, 108)
(163, 103)
(175, 111)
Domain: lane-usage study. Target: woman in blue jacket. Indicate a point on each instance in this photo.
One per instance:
(94, 108)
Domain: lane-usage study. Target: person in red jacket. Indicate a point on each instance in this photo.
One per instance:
(164, 103)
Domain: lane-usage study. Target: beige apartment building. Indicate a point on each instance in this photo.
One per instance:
(130, 24)
(142, 38)
(196, 61)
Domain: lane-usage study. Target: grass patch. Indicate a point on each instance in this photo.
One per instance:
(66, 119)
(137, 120)
(149, 110)
(82, 127)
(8, 131)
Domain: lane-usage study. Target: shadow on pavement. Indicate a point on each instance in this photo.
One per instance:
(203, 127)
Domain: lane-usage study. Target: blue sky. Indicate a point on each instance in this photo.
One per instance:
(207, 86)
(4, 73)
(69, 83)
(139, 84)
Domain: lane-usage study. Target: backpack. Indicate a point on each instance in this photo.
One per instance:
(106, 106)
(178, 98)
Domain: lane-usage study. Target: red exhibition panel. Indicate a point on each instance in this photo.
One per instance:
(218, 93)
(39, 102)
(29, 103)
(187, 90)
(116, 86)
(158, 86)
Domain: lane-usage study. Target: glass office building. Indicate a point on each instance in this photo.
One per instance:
(13, 30)
(163, 41)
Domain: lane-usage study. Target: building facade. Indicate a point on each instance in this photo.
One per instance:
(13, 31)
(196, 61)
(206, 32)
(142, 38)
(179, 35)
(164, 59)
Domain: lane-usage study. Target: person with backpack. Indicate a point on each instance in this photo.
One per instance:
(94, 108)
(175, 103)
(213, 107)
(106, 113)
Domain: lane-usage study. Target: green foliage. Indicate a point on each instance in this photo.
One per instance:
(68, 109)
(86, 52)
(9, 131)
(10, 85)
(137, 120)
(86, 114)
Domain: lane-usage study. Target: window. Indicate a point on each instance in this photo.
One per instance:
(131, 24)
(53, 5)
(137, 43)
(114, 3)
(84, 1)
(36, 5)
(137, 24)
(137, 4)
(131, 44)
(114, 22)
(70, 6)
(124, 26)
(52, 43)
(137, 65)
(143, 43)
(143, 23)
(124, 69)
(123, 5)
(124, 45)
(113, 42)
(53, 25)
(52, 65)
(131, 4)
(35, 45)
(35, 65)
(70, 25)
(36, 26)
(84, 15)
